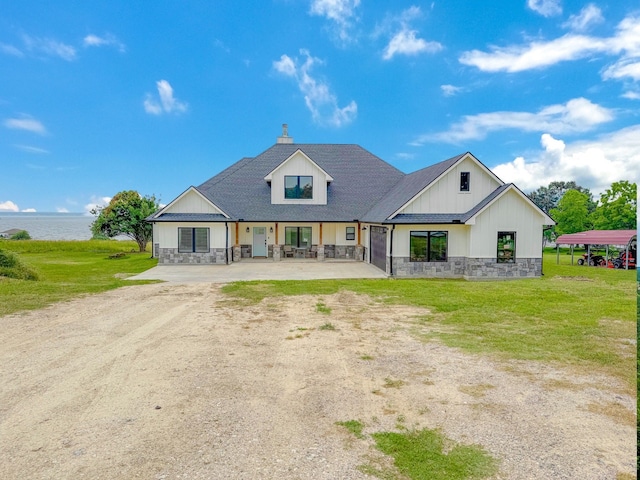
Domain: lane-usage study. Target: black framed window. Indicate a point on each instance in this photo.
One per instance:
(506, 247)
(351, 233)
(465, 178)
(298, 186)
(428, 246)
(193, 240)
(297, 236)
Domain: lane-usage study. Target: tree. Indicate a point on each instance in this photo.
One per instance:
(547, 198)
(125, 215)
(617, 209)
(571, 214)
(21, 235)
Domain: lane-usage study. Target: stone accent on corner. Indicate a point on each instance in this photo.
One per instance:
(168, 256)
(469, 268)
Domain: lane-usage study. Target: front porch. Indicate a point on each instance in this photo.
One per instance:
(285, 252)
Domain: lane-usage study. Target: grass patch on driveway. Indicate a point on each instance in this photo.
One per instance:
(575, 315)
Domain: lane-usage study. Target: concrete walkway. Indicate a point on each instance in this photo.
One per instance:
(260, 270)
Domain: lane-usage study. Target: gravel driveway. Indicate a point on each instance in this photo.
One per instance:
(171, 381)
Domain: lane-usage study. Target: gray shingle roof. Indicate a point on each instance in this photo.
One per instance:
(360, 180)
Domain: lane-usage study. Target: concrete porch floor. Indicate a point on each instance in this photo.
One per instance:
(261, 269)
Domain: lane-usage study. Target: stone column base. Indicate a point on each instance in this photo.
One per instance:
(359, 255)
(320, 253)
(276, 253)
(237, 253)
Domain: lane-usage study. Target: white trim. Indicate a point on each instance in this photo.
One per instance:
(188, 190)
(269, 176)
(512, 187)
(465, 156)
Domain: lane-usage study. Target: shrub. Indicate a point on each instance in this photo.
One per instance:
(11, 266)
(21, 235)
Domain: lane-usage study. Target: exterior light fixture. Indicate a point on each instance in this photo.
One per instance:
(270, 229)
(248, 230)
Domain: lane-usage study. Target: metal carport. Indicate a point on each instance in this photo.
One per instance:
(625, 238)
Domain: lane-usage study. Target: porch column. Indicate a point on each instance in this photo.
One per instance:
(320, 246)
(359, 253)
(276, 247)
(237, 250)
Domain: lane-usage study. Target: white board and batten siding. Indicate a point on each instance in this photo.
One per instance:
(509, 213)
(299, 165)
(444, 195)
(191, 202)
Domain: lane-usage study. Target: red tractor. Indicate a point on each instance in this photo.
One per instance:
(624, 261)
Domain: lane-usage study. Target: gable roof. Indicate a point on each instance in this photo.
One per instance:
(598, 237)
(163, 215)
(361, 179)
(269, 176)
(407, 188)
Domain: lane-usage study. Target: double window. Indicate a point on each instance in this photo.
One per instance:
(296, 186)
(299, 237)
(428, 246)
(193, 240)
(506, 247)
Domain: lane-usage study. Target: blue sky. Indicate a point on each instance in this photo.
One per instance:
(98, 97)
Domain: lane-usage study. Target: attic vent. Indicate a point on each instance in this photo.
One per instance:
(285, 138)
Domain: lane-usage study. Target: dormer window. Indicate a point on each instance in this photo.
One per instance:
(464, 181)
(298, 187)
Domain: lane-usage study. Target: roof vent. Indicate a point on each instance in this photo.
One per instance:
(285, 138)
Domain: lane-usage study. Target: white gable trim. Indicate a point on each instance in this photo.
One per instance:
(191, 189)
(512, 188)
(464, 157)
(269, 176)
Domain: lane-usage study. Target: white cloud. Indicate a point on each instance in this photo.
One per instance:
(450, 90)
(11, 50)
(320, 101)
(577, 115)
(588, 16)
(49, 47)
(626, 68)
(108, 40)
(30, 149)
(167, 103)
(593, 164)
(62, 210)
(27, 123)
(96, 202)
(341, 12)
(631, 95)
(405, 42)
(539, 54)
(29, 210)
(546, 8)
(8, 206)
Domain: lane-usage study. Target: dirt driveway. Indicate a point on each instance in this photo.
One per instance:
(171, 381)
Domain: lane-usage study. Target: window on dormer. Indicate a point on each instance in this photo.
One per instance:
(464, 181)
(298, 186)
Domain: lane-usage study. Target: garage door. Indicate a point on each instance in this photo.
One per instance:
(378, 237)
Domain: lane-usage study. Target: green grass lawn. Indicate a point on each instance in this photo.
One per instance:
(68, 269)
(575, 315)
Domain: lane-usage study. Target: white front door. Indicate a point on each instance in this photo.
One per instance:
(259, 241)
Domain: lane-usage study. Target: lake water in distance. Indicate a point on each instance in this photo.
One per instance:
(49, 226)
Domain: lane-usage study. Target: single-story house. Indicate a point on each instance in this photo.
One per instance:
(10, 233)
(455, 218)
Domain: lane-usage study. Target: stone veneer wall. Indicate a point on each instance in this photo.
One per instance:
(167, 256)
(489, 268)
(470, 268)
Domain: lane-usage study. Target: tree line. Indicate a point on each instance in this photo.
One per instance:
(574, 209)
